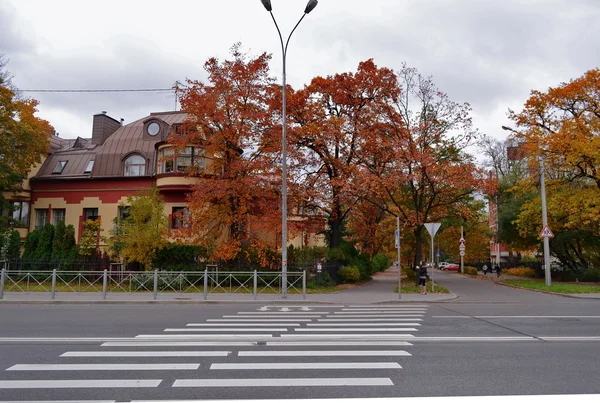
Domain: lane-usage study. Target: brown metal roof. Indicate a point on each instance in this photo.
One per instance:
(108, 157)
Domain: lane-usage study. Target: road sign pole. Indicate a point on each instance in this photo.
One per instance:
(545, 223)
(462, 236)
(399, 264)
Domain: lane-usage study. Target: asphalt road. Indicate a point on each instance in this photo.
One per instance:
(495, 342)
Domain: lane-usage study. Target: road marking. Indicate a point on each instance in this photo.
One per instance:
(475, 338)
(367, 316)
(177, 343)
(570, 338)
(363, 324)
(291, 314)
(356, 329)
(80, 383)
(369, 336)
(271, 316)
(324, 353)
(337, 343)
(310, 365)
(278, 382)
(241, 324)
(377, 312)
(190, 337)
(383, 309)
(516, 317)
(58, 401)
(259, 320)
(389, 306)
(146, 354)
(102, 367)
(233, 329)
(368, 320)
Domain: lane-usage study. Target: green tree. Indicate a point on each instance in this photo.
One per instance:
(138, 237)
(59, 238)
(43, 252)
(70, 250)
(14, 251)
(90, 237)
(31, 244)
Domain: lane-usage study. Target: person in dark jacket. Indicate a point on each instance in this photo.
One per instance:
(498, 270)
(422, 278)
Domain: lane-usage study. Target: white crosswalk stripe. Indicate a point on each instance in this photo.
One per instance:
(250, 339)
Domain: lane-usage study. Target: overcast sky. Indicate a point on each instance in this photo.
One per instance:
(488, 53)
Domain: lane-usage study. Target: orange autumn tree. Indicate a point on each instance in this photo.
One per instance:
(234, 203)
(562, 125)
(330, 122)
(420, 168)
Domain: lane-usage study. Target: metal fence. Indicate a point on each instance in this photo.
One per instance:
(202, 282)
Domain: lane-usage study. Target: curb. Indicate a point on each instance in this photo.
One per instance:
(516, 287)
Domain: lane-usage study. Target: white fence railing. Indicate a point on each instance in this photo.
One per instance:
(155, 282)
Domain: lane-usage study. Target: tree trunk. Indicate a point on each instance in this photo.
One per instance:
(335, 235)
(418, 244)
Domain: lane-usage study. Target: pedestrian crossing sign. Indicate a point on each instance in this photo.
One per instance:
(546, 233)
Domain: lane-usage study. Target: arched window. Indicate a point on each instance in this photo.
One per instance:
(135, 165)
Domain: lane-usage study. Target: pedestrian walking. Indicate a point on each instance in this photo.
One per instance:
(423, 278)
(484, 269)
(498, 270)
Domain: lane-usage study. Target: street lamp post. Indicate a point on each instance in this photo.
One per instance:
(309, 7)
(547, 275)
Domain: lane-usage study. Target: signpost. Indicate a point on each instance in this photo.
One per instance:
(397, 238)
(432, 228)
(462, 250)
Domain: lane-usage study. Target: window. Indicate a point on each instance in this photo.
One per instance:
(135, 165)
(60, 166)
(58, 215)
(179, 217)
(90, 214)
(153, 129)
(20, 213)
(89, 167)
(182, 161)
(41, 218)
(124, 212)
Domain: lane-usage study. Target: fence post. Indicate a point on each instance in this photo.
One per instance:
(53, 292)
(104, 283)
(155, 283)
(205, 284)
(304, 284)
(2, 275)
(255, 283)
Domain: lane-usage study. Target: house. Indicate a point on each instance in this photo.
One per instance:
(90, 178)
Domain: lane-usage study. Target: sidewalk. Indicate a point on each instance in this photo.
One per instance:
(377, 291)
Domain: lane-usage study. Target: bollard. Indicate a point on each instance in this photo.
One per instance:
(205, 284)
(304, 284)
(2, 275)
(53, 292)
(155, 283)
(104, 283)
(255, 283)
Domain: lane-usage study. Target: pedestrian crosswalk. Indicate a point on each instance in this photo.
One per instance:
(279, 346)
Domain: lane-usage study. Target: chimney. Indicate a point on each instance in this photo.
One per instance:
(102, 127)
(122, 120)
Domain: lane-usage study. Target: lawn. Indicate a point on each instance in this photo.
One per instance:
(563, 288)
(409, 287)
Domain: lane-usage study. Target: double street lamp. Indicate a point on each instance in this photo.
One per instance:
(309, 7)
(547, 274)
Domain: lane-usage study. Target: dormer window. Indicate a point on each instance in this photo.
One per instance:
(60, 166)
(135, 165)
(89, 167)
(153, 129)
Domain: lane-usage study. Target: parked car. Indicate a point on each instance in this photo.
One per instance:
(442, 265)
(450, 266)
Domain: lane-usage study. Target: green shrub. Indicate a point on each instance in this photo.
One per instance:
(380, 263)
(59, 238)
(590, 275)
(409, 273)
(349, 274)
(322, 279)
(179, 257)
(14, 250)
(470, 270)
(336, 254)
(31, 243)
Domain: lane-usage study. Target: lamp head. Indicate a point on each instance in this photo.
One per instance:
(310, 6)
(267, 4)
(507, 128)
